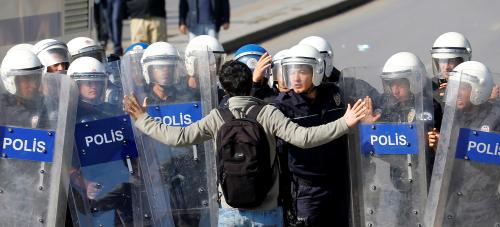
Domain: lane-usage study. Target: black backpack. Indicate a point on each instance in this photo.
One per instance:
(244, 167)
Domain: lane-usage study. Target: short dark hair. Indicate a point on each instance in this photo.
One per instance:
(236, 78)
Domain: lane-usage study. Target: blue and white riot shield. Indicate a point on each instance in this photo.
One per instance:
(465, 183)
(387, 154)
(35, 149)
(107, 188)
(182, 179)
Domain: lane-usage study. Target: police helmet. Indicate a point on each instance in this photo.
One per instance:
(19, 63)
(161, 55)
(83, 46)
(88, 71)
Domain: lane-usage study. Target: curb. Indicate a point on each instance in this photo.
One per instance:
(288, 25)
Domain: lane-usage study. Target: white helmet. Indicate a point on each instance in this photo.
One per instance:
(86, 70)
(83, 46)
(51, 52)
(449, 50)
(203, 43)
(16, 63)
(21, 46)
(478, 76)
(276, 72)
(324, 48)
(161, 54)
(404, 65)
(299, 56)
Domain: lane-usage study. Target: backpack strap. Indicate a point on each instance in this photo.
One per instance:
(226, 114)
(252, 114)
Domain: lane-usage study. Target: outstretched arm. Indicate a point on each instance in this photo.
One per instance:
(304, 137)
(174, 136)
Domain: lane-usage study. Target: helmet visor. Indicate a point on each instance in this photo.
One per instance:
(92, 87)
(298, 77)
(28, 86)
(163, 74)
(55, 55)
(442, 66)
(93, 52)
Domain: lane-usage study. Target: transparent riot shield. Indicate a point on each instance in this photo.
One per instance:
(35, 151)
(107, 188)
(387, 150)
(114, 92)
(182, 179)
(465, 186)
(2, 88)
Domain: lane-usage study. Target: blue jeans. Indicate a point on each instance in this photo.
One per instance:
(115, 16)
(232, 217)
(202, 29)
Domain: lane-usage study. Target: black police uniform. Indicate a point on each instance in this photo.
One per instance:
(174, 95)
(438, 103)
(320, 182)
(263, 91)
(24, 113)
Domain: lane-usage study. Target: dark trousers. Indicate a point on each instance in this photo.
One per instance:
(319, 206)
(114, 12)
(101, 21)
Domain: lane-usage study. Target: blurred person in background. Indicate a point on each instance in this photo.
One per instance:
(203, 17)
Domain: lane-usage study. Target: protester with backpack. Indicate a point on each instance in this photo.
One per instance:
(245, 136)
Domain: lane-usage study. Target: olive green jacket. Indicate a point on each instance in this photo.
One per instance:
(275, 124)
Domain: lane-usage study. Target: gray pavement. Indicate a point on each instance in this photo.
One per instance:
(370, 34)
(253, 21)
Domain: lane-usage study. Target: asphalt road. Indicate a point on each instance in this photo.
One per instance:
(370, 34)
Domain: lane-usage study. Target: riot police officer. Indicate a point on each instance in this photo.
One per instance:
(399, 178)
(464, 188)
(181, 168)
(21, 73)
(91, 78)
(449, 50)
(319, 177)
(25, 188)
(397, 102)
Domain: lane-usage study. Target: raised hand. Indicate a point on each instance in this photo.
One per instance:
(370, 117)
(353, 115)
(132, 106)
(262, 65)
(433, 137)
